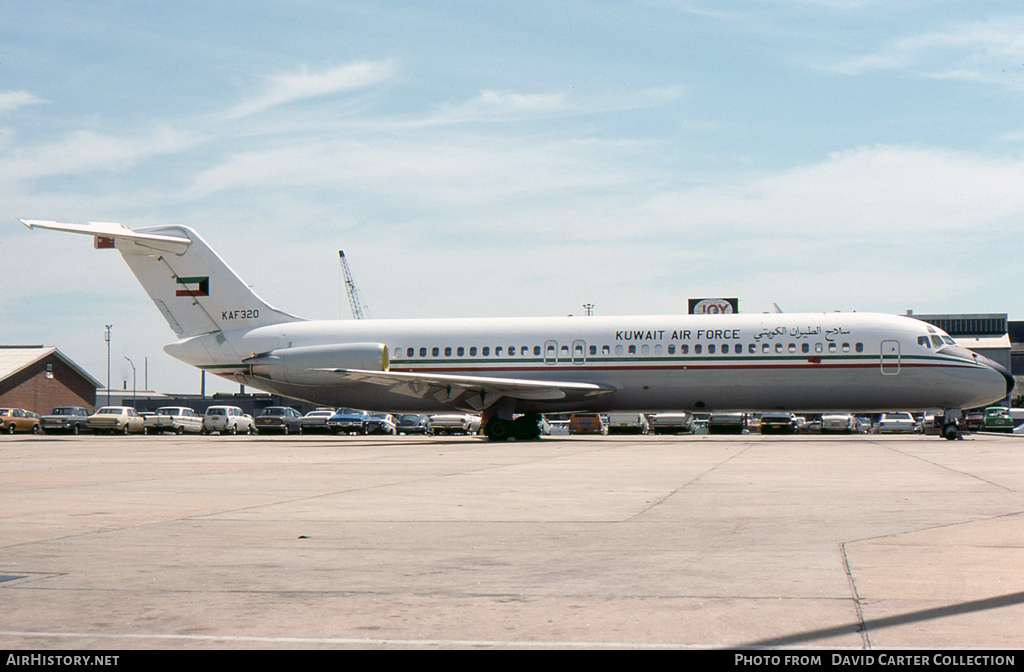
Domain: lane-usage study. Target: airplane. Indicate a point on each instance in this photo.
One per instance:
(508, 367)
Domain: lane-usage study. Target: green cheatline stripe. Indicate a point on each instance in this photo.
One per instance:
(639, 359)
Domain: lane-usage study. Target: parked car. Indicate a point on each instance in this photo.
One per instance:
(587, 423)
(19, 420)
(454, 423)
(892, 423)
(70, 419)
(671, 423)
(997, 419)
(227, 420)
(628, 423)
(974, 420)
(726, 423)
(414, 424)
(778, 423)
(381, 423)
(316, 421)
(116, 420)
(178, 419)
(148, 422)
(558, 427)
(838, 423)
(348, 421)
(282, 419)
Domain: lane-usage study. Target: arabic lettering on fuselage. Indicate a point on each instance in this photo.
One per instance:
(800, 332)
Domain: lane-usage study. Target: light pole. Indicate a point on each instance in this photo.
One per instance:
(107, 338)
(133, 381)
(589, 308)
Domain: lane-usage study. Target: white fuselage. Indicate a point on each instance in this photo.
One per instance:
(745, 362)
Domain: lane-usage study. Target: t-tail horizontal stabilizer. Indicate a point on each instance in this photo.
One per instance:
(195, 290)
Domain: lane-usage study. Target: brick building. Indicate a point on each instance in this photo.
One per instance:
(38, 378)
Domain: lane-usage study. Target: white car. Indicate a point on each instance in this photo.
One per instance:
(227, 420)
(453, 424)
(838, 423)
(316, 421)
(891, 423)
(177, 419)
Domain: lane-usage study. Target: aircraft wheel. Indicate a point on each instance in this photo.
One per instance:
(498, 429)
(526, 429)
(950, 432)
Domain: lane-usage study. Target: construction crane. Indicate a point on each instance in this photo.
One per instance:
(355, 301)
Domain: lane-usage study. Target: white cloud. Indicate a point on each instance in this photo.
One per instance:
(288, 88)
(12, 100)
(989, 51)
(89, 151)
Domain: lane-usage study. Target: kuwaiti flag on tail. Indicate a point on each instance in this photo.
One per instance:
(193, 286)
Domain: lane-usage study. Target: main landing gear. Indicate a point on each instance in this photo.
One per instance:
(524, 428)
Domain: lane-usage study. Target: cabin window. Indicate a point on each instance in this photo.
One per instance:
(606, 350)
(792, 347)
(423, 352)
(632, 349)
(410, 352)
(725, 348)
(766, 347)
(671, 349)
(511, 351)
(436, 352)
(859, 347)
(657, 349)
(711, 348)
(697, 349)
(846, 347)
(460, 351)
(448, 351)
(486, 352)
(778, 347)
(565, 352)
(524, 351)
(472, 351)
(497, 351)
(593, 350)
(831, 347)
(817, 347)
(536, 350)
(684, 349)
(645, 349)
(752, 349)
(618, 349)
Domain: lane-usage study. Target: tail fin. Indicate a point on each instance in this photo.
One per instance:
(195, 290)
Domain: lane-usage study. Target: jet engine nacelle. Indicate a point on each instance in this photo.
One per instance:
(292, 365)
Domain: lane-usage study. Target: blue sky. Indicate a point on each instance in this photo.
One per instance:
(521, 158)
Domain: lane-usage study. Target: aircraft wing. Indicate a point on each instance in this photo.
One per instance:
(114, 231)
(480, 391)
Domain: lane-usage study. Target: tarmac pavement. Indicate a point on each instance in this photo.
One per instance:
(167, 542)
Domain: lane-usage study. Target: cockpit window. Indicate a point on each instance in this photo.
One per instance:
(948, 341)
(936, 341)
(923, 340)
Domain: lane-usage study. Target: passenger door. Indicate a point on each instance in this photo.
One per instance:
(890, 360)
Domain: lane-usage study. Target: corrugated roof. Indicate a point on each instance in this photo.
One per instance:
(14, 358)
